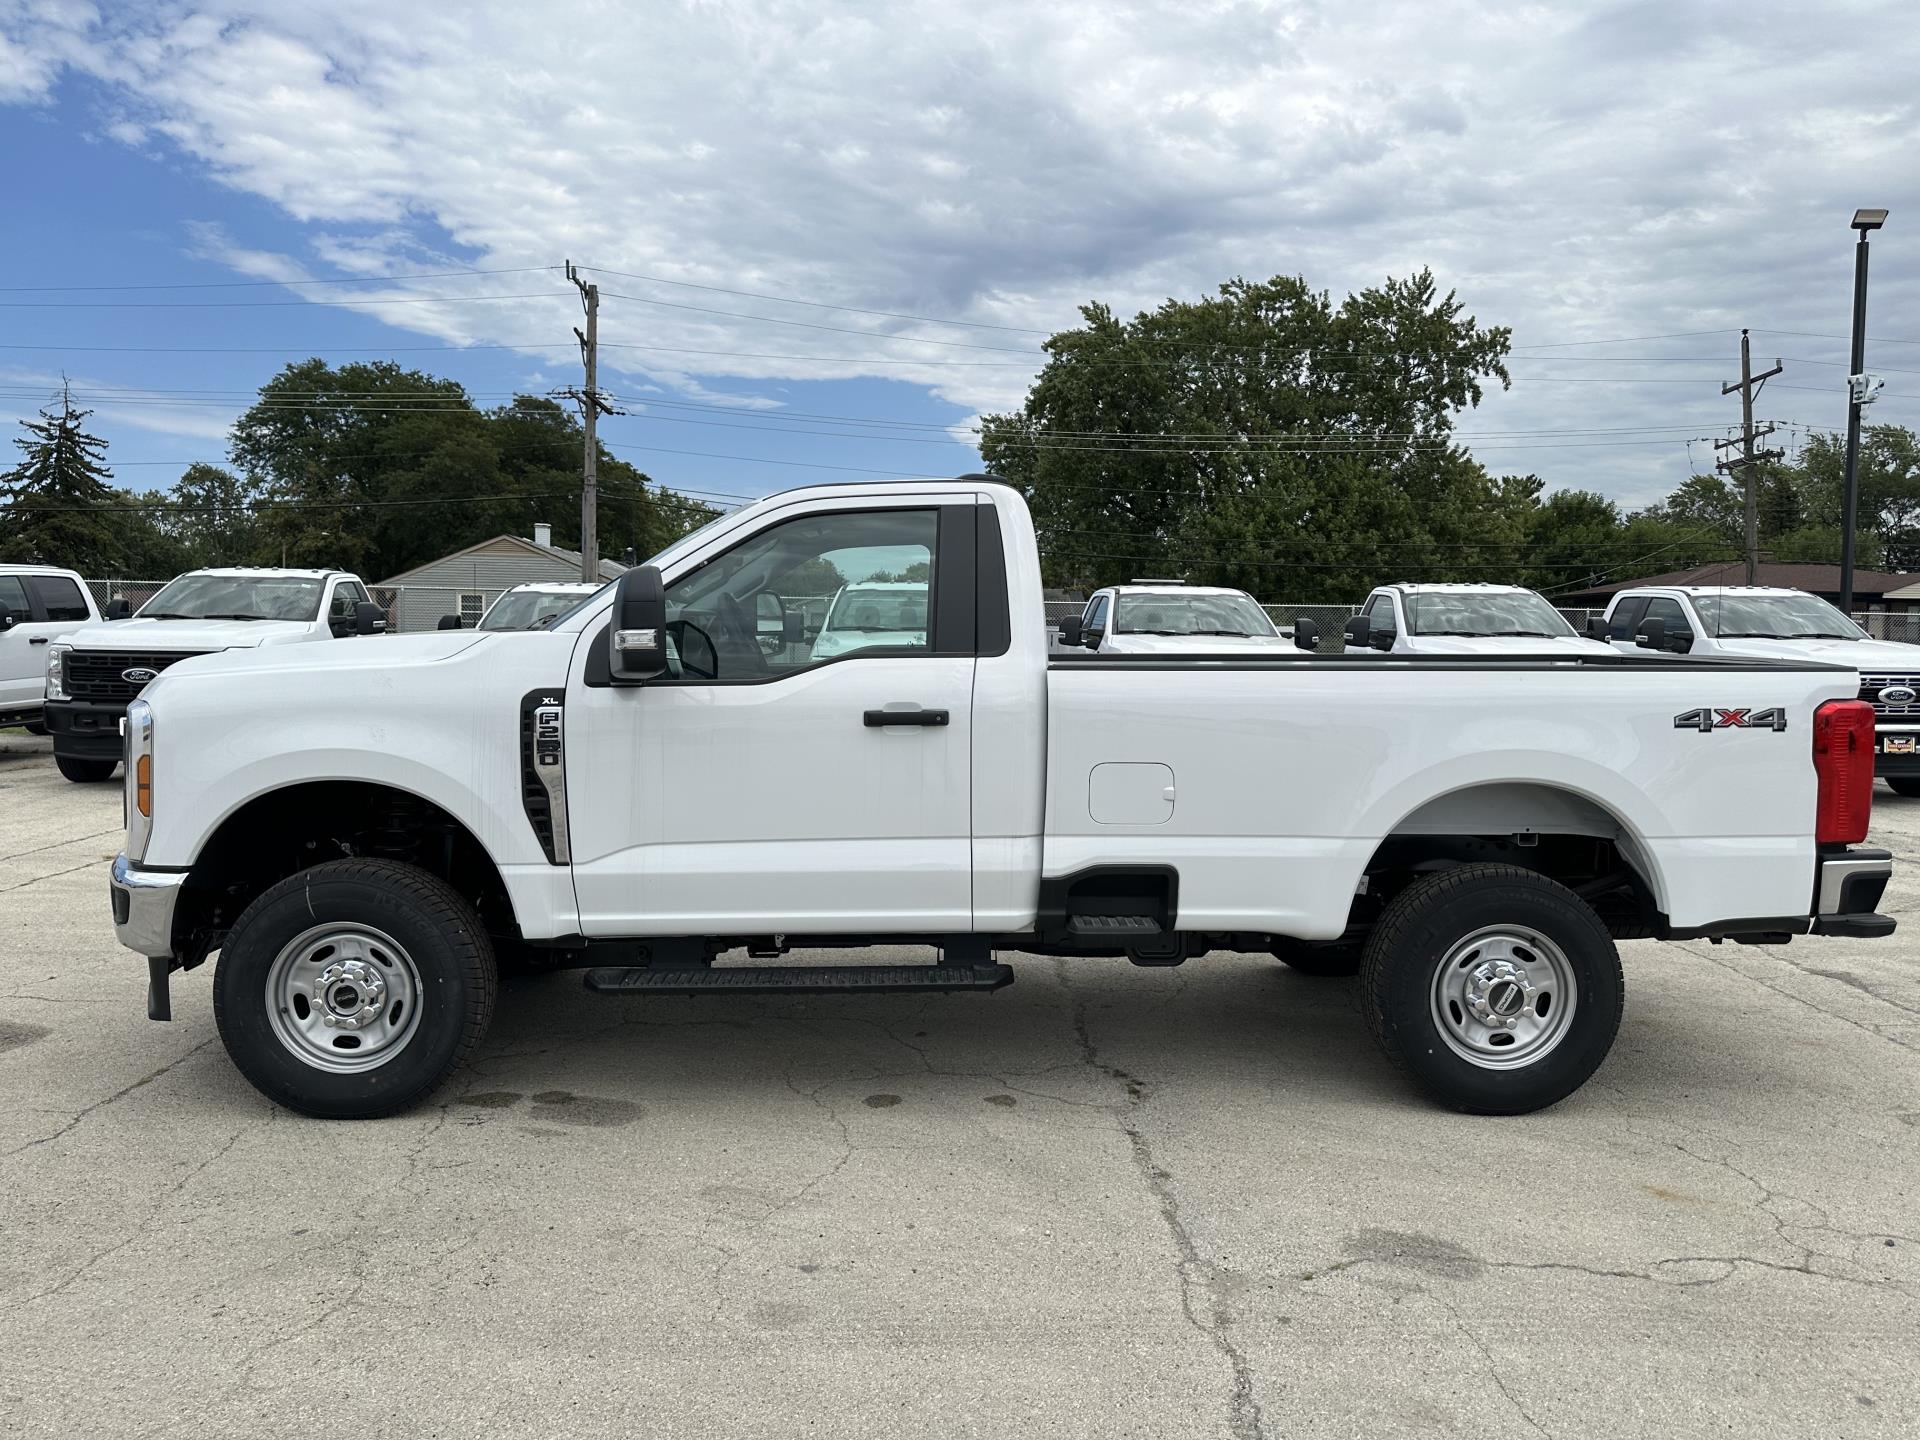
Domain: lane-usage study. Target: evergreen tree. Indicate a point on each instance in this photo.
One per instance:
(59, 508)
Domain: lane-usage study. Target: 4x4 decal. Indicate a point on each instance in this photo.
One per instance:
(1709, 720)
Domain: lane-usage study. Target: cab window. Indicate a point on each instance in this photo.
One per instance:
(826, 586)
(1096, 621)
(13, 599)
(60, 597)
(1379, 613)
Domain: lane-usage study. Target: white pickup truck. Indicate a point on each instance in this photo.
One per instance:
(1768, 622)
(1455, 619)
(640, 789)
(1169, 617)
(94, 671)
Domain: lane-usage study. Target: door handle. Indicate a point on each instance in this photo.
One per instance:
(38, 639)
(875, 719)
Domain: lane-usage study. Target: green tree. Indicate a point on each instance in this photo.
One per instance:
(60, 508)
(1262, 437)
(209, 513)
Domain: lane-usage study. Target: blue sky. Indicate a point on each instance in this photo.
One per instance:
(1624, 184)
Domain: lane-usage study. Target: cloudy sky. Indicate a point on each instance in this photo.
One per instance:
(830, 234)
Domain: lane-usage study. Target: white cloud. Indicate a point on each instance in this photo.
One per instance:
(1576, 172)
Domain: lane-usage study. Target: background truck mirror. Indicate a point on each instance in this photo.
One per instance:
(8, 619)
(1599, 629)
(368, 618)
(1306, 635)
(637, 639)
(1653, 634)
(1680, 641)
(793, 628)
(117, 609)
(449, 622)
(1071, 631)
(1359, 631)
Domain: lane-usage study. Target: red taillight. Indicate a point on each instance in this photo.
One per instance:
(1843, 761)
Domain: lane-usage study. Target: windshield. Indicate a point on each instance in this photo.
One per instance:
(873, 611)
(237, 597)
(1774, 617)
(1189, 615)
(1460, 612)
(524, 609)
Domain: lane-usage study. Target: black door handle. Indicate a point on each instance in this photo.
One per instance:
(38, 639)
(877, 718)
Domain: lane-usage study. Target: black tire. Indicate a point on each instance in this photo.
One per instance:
(35, 727)
(1401, 986)
(451, 961)
(86, 772)
(1908, 785)
(1333, 961)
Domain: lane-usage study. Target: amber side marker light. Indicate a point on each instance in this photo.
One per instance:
(143, 785)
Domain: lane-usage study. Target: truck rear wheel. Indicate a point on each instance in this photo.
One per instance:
(1498, 990)
(354, 989)
(85, 772)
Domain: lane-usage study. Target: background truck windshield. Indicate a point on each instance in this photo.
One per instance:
(868, 610)
(1461, 612)
(1774, 617)
(528, 609)
(237, 597)
(1189, 615)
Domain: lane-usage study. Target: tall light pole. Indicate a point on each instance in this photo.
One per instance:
(1863, 221)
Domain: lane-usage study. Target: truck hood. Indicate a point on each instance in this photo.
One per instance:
(1193, 644)
(373, 653)
(1880, 656)
(192, 635)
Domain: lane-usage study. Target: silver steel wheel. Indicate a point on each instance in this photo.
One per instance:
(343, 997)
(1504, 997)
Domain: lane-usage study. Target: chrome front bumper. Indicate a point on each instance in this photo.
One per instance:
(143, 905)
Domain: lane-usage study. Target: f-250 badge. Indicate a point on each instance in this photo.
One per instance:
(1707, 721)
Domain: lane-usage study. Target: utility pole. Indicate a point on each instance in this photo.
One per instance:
(592, 407)
(1860, 391)
(1747, 461)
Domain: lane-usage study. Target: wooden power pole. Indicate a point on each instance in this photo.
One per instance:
(592, 407)
(1747, 462)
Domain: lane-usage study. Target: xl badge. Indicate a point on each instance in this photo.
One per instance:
(139, 675)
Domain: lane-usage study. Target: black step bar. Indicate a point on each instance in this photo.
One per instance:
(795, 979)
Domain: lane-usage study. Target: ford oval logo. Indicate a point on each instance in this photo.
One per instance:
(1899, 695)
(140, 675)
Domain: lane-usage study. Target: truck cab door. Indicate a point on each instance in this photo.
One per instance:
(801, 788)
(23, 664)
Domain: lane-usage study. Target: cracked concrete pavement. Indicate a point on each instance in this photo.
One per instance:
(1104, 1202)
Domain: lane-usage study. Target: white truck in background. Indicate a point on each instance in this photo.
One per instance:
(1170, 617)
(1768, 622)
(1463, 619)
(641, 788)
(92, 674)
(39, 604)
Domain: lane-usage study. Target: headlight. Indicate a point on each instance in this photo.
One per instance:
(139, 778)
(57, 672)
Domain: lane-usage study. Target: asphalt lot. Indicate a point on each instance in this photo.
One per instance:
(1104, 1202)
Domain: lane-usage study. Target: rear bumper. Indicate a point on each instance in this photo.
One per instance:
(1848, 885)
(85, 729)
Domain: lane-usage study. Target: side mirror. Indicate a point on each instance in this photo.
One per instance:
(637, 638)
(1073, 632)
(1598, 629)
(8, 619)
(1359, 631)
(368, 618)
(1680, 641)
(117, 609)
(1653, 634)
(1306, 635)
(793, 628)
(448, 622)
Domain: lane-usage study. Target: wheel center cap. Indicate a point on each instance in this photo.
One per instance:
(349, 994)
(1498, 991)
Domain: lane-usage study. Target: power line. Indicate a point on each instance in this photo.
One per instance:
(267, 304)
(253, 284)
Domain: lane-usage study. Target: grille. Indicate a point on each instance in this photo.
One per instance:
(1872, 685)
(96, 674)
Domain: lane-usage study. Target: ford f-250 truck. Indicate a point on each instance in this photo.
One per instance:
(94, 671)
(639, 789)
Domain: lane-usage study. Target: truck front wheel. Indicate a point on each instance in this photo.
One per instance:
(354, 989)
(1498, 990)
(85, 772)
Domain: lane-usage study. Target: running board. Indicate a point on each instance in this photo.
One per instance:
(795, 979)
